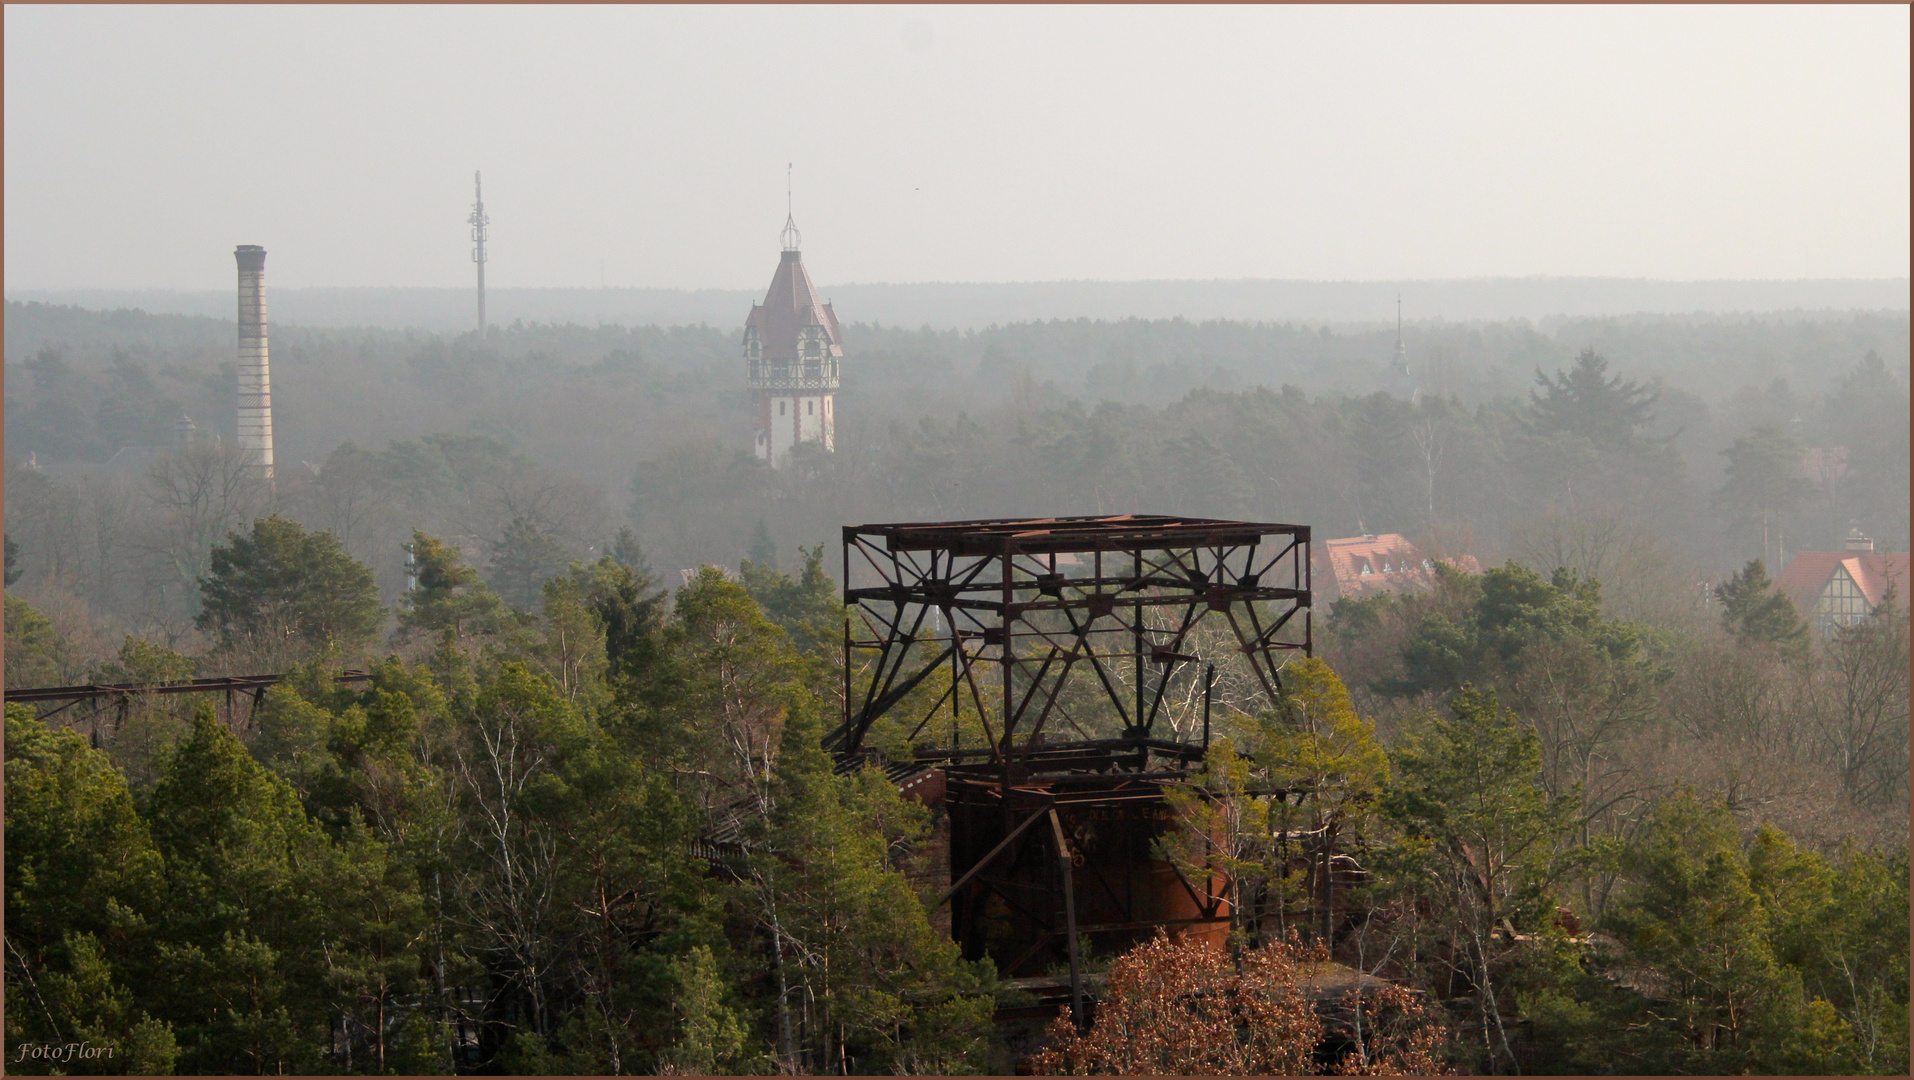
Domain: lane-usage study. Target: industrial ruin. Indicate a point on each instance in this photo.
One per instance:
(1038, 683)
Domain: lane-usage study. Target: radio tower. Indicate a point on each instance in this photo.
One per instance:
(479, 220)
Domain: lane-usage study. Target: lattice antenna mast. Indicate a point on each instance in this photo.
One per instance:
(1402, 358)
(479, 220)
(790, 235)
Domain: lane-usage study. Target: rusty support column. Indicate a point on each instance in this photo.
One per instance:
(1209, 686)
(956, 663)
(1006, 668)
(1137, 717)
(1069, 919)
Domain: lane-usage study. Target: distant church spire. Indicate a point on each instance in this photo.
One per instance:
(790, 234)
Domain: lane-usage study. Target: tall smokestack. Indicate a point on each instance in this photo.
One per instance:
(255, 375)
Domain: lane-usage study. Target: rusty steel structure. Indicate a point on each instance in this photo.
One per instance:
(123, 695)
(1055, 648)
(992, 594)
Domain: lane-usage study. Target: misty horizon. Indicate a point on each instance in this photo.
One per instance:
(974, 305)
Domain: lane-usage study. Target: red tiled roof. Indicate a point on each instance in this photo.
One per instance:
(1808, 573)
(1391, 563)
(789, 305)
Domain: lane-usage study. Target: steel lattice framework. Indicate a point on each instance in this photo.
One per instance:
(1016, 608)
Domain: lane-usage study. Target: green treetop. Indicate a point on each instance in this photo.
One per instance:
(449, 595)
(280, 584)
(1584, 401)
(1755, 613)
(1765, 484)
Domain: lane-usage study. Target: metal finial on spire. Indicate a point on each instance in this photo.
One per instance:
(790, 234)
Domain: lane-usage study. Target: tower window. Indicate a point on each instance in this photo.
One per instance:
(810, 408)
(780, 408)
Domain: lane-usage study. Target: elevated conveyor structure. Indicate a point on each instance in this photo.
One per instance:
(1035, 664)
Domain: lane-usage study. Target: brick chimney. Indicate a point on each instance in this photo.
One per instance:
(255, 376)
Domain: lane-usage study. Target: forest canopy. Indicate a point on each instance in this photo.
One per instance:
(1615, 802)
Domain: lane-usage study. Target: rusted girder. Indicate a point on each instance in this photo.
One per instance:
(255, 684)
(1018, 607)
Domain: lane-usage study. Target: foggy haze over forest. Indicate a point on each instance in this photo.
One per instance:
(975, 306)
(428, 652)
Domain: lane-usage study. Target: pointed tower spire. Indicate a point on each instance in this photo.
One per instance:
(791, 351)
(790, 234)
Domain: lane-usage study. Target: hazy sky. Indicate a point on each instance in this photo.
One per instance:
(953, 144)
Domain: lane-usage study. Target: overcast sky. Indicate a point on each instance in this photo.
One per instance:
(648, 145)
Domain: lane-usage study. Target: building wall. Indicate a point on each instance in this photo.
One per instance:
(786, 420)
(1842, 603)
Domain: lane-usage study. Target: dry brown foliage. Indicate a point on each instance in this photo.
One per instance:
(1394, 1035)
(1182, 1008)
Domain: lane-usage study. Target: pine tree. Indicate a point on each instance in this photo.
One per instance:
(862, 982)
(1757, 614)
(1478, 840)
(628, 553)
(1584, 401)
(280, 586)
(809, 607)
(523, 561)
(762, 553)
(630, 610)
(243, 938)
(378, 937)
(449, 595)
(1765, 485)
(84, 887)
(36, 653)
(734, 676)
(711, 1038)
(573, 653)
(1692, 915)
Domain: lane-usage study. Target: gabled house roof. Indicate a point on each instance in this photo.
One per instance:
(1362, 566)
(1873, 571)
(790, 305)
